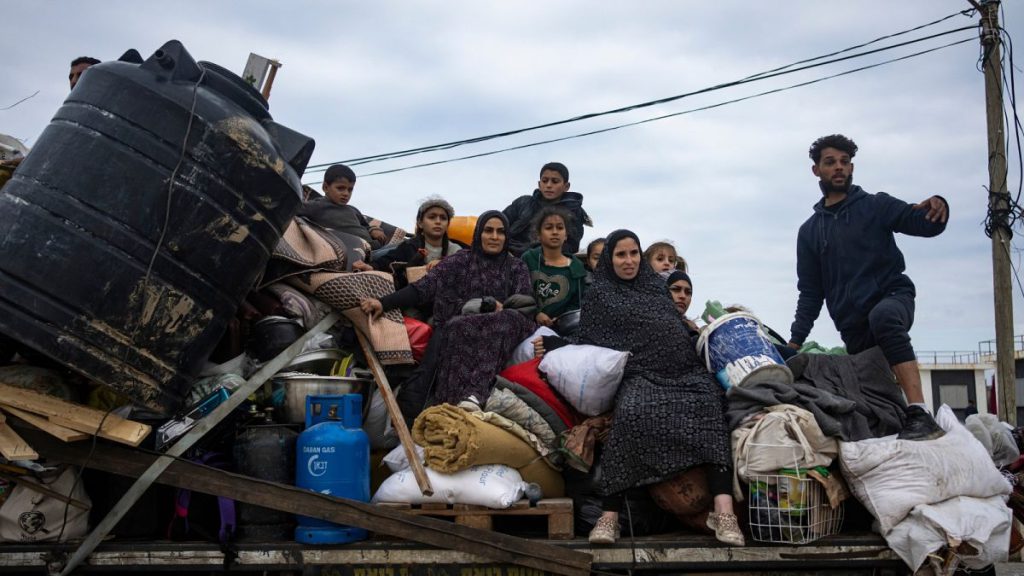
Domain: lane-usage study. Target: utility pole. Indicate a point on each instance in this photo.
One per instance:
(999, 206)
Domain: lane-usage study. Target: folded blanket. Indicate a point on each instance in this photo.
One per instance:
(313, 260)
(452, 440)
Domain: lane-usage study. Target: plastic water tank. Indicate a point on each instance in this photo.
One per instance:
(112, 269)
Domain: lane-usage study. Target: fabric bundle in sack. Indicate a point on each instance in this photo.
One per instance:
(995, 437)
(890, 476)
(28, 516)
(587, 376)
(982, 525)
(452, 441)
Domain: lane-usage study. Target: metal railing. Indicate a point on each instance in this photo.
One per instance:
(950, 357)
(987, 348)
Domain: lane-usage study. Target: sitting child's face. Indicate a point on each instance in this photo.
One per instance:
(663, 261)
(551, 185)
(339, 191)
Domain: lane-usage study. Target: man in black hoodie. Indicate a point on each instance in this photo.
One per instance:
(847, 257)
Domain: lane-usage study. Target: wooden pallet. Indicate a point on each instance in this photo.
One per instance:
(557, 510)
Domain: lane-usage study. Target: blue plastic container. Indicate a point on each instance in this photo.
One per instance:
(738, 353)
(333, 457)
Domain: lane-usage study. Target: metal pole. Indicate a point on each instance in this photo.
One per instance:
(999, 205)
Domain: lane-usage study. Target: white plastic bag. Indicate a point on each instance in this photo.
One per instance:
(524, 352)
(28, 516)
(890, 476)
(587, 376)
(491, 485)
(378, 423)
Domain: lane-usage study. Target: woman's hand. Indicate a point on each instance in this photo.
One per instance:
(378, 235)
(360, 266)
(430, 265)
(371, 307)
(544, 320)
(538, 347)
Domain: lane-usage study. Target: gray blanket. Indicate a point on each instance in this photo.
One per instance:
(853, 397)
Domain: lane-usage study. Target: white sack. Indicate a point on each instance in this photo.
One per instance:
(491, 485)
(996, 438)
(587, 376)
(524, 352)
(396, 459)
(984, 523)
(890, 477)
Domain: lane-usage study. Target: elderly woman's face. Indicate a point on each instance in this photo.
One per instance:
(626, 258)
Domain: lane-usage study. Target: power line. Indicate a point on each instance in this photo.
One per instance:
(664, 116)
(783, 70)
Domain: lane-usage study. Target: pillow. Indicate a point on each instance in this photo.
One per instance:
(524, 352)
(587, 376)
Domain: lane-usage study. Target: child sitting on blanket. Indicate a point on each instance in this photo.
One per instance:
(334, 212)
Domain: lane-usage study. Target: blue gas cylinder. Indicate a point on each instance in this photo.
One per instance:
(333, 457)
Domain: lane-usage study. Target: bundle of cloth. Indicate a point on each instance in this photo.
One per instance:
(454, 439)
(314, 260)
(851, 397)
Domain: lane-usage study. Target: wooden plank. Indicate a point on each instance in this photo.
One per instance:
(65, 434)
(396, 415)
(12, 446)
(74, 416)
(35, 487)
(183, 474)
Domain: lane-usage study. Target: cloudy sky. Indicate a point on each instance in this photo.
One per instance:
(730, 186)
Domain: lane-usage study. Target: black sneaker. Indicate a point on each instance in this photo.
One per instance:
(920, 425)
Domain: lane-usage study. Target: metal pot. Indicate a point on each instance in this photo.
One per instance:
(271, 335)
(324, 362)
(298, 385)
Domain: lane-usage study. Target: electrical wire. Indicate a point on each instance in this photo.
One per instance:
(32, 95)
(781, 71)
(664, 116)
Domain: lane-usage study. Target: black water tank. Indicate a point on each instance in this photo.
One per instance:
(111, 270)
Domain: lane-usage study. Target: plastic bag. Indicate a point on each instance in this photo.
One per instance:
(524, 351)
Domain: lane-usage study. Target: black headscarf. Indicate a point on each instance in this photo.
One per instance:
(678, 275)
(469, 274)
(636, 316)
(478, 233)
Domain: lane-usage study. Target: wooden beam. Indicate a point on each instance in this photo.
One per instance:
(12, 446)
(396, 415)
(39, 488)
(75, 416)
(207, 423)
(184, 474)
(65, 434)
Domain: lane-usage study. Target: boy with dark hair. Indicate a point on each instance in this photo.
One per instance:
(78, 65)
(552, 190)
(332, 211)
(847, 257)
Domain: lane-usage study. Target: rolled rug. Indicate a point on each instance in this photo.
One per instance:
(452, 440)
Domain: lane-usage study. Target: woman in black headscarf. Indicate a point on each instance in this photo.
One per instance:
(669, 409)
(467, 351)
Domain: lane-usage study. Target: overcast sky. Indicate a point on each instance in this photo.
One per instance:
(730, 186)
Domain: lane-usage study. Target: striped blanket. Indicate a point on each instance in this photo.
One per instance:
(311, 259)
